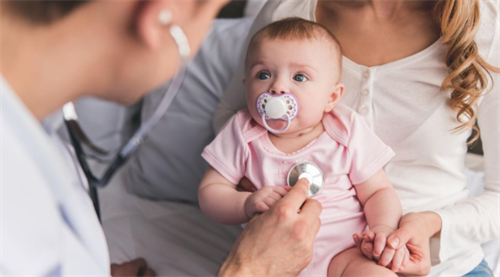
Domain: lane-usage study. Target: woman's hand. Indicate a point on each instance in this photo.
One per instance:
(415, 230)
(137, 267)
(375, 247)
(278, 242)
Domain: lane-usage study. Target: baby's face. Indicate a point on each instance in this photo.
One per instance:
(305, 68)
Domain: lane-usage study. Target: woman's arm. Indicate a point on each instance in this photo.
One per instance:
(477, 218)
(220, 200)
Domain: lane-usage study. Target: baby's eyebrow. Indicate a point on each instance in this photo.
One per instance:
(303, 65)
(259, 62)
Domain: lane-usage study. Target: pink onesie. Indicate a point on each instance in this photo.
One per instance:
(348, 153)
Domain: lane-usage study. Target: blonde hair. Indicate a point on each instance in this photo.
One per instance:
(295, 28)
(469, 74)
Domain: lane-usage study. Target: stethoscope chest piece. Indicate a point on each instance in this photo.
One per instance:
(308, 171)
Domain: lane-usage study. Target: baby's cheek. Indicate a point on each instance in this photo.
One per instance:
(314, 109)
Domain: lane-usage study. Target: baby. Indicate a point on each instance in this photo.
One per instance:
(293, 70)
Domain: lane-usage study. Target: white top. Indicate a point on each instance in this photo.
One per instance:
(402, 102)
(48, 224)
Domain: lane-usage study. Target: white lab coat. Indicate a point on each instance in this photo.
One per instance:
(48, 224)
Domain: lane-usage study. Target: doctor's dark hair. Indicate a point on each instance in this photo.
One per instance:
(43, 11)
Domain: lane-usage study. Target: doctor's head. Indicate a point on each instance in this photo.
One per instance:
(116, 50)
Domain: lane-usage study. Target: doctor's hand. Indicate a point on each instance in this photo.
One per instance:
(278, 242)
(137, 267)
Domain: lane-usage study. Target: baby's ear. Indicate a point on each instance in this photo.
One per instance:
(335, 96)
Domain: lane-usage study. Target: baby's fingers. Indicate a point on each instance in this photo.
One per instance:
(269, 201)
(368, 236)
(274, 196)
(379, 245)
(367, 249)
(281, 190)
(357, 239)
(259, 207)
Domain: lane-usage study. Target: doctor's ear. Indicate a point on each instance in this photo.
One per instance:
(151, 20)
(334, 97)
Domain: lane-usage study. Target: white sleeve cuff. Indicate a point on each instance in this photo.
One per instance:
(446, 238)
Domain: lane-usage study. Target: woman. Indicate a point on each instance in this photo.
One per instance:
(421, 73)
(54, 52)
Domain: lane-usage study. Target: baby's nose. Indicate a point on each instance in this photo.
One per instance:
(276, 91)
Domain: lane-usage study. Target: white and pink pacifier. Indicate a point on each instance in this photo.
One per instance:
(283, 107)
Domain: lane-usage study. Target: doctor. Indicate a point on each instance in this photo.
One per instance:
(53, 52)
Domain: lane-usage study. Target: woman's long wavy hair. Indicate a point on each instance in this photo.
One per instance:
(469, 74)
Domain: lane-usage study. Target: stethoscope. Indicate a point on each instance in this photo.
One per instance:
(85, 148)
(309, 171)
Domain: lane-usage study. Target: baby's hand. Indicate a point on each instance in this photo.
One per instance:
(263, 199)
(373, 243)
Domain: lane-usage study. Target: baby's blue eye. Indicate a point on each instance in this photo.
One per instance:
(300, 78)
(263, 76)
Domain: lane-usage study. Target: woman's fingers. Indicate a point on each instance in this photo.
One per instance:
(397, 261)
(399, 238)
(406, 259)
(413, 233)
(386, 257)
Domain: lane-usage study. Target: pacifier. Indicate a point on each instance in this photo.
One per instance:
(283, 107)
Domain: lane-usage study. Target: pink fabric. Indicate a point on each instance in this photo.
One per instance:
(348, 153)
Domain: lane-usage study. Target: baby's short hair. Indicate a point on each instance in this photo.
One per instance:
(295, 28)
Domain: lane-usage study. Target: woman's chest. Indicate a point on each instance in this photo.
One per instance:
(403, 102)
(372, 36)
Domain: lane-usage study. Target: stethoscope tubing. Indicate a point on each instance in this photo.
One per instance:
(77, 136)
